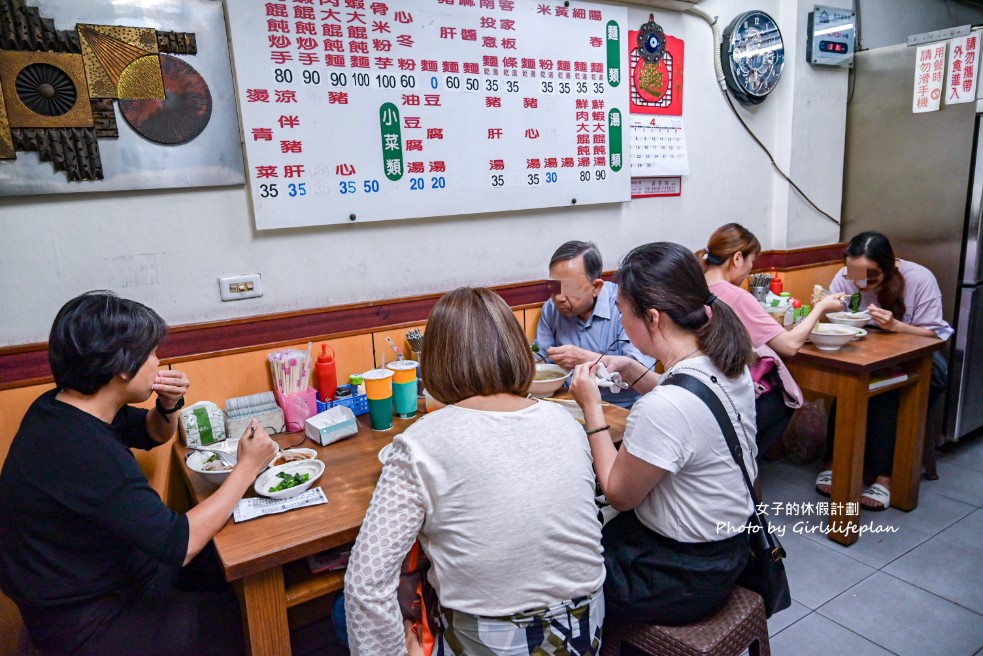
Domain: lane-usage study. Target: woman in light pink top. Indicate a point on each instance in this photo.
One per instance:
(727, 260)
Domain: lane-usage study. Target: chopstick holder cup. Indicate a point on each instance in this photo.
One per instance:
(297, 408)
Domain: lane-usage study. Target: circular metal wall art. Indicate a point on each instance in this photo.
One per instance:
(46, 89)
(181, 115)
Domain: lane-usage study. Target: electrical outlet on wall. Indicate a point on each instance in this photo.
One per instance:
(236, 288)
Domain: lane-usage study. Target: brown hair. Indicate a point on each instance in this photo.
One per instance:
(474, 346)
(876, 248)
(666, 277)
(725, 242)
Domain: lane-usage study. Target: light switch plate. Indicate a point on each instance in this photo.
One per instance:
(236, 288)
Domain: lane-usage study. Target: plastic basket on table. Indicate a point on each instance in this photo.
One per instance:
(359, 404)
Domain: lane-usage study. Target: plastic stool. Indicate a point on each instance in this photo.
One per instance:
(738, 626)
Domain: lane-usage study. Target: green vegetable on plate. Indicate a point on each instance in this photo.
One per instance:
(289, 480)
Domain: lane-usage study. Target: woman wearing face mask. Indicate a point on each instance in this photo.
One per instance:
(727, 260)
(672, 555)
(901, 297)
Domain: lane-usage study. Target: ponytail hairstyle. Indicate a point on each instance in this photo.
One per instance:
(666, 277)
(725, 242)
(876, 248)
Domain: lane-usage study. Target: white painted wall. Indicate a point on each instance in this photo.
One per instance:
(168, 248)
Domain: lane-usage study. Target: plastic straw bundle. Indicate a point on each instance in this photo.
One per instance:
(291, 370)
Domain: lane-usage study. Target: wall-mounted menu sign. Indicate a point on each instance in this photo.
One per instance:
(369, 110)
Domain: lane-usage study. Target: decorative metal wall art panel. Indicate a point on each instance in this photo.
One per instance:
(65, 65)
(44, 90)
(6, 139)
(109, 51)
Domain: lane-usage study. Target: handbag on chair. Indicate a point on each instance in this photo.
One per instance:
(765, 571)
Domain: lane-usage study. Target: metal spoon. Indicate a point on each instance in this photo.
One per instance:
(226, 458)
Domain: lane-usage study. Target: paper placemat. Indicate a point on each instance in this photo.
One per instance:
(248, 509)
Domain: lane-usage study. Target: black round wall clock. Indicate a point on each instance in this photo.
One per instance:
(753, 56)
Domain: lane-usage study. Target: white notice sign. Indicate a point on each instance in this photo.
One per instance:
(929, 71)
(363, 110)
(964, 60)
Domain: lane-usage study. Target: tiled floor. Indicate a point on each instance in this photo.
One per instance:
(916, 591)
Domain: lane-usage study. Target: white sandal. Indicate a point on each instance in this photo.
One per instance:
(878, 494)
(824, 478)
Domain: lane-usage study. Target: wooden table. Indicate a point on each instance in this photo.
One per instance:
(846, 374)
(267, 556)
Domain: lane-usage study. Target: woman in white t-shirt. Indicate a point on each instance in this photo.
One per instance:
(679, 538)
(499, 488)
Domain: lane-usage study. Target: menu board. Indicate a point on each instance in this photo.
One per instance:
(362, 110)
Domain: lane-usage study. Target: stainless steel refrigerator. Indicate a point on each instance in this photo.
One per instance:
(918, 178)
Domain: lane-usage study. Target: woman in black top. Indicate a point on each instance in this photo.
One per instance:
(88, 551)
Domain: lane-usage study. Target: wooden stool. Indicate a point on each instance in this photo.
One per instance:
(739, 625)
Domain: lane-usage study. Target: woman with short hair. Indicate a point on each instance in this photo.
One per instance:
(727, 260)
(88, 551)
(498, 488)
(675, 552)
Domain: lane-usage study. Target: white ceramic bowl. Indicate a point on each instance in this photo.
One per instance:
(552, 376)
(196, 461)
(292, 455)
(831, 337)
(269, 478)
(855, 319)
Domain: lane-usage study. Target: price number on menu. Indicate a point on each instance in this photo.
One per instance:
(536, 179)
(599, 174)
(501, 180)
(287, 76)
(369, 81)
(436, 182)
(523, 179)
(349, 187)
(291, 190)
(455, 83)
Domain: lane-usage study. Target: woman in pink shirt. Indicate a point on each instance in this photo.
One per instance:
(901, 297)
(727, 260)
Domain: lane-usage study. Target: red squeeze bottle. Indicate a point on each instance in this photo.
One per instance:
(327, 377)
(776, 284)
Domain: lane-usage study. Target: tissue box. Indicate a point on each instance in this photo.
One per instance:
(202, 424)
(331, 425)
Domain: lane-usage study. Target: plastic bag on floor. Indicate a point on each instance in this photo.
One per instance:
(805, 438)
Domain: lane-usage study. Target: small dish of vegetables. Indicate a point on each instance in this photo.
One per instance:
(288, 480)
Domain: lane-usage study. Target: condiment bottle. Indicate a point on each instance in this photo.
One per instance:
(358, 385)
(776, 284)
(789, 310)
(327, 377)
(796, 311)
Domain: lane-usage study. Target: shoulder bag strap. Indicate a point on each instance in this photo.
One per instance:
(712, 401)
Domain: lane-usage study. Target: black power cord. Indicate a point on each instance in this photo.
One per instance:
(771, 158)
